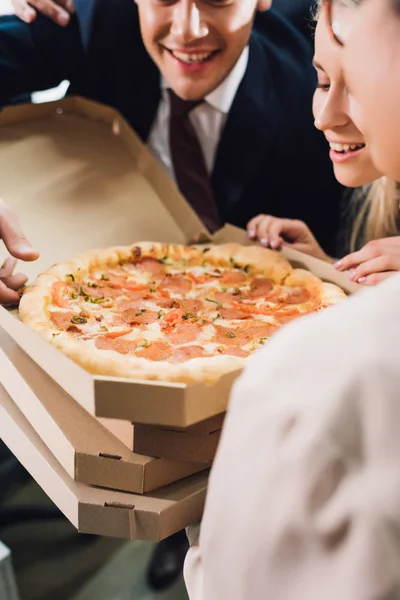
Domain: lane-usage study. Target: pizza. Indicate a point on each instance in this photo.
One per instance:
(170, 312)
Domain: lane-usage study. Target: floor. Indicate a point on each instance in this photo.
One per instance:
(52, 562)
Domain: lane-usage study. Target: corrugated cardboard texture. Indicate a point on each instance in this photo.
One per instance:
(152, 517)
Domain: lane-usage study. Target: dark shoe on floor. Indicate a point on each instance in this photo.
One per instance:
(166, 563)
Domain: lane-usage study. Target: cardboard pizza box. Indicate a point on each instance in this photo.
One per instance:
(177, 445)
(125, 430)
(84, 448)
(197, 444)
(152, 517)
(80, 178)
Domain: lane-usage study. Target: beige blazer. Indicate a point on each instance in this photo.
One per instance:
(304, 494)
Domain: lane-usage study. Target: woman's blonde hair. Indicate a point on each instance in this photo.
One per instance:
(378, 216)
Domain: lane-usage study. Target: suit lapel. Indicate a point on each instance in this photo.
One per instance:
(249, 131)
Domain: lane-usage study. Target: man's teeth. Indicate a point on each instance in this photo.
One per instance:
(191, 58)
(345, 147)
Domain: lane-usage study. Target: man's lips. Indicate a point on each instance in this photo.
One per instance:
(192, 56)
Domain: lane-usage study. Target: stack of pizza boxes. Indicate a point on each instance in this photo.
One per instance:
(119, 457)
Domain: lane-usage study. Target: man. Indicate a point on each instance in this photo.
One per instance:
(248, 135)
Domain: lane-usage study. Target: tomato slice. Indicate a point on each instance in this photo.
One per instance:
(60, 294)
(115, 334)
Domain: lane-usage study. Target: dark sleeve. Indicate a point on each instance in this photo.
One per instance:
(37, 56)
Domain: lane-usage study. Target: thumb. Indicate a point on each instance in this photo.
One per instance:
(291, 230)
(13, 237)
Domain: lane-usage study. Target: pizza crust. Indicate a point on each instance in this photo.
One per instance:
(35, 303)
(327, 293)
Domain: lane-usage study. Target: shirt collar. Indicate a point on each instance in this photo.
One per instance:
(223, 96)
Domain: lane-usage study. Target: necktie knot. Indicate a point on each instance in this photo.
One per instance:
(180, 107)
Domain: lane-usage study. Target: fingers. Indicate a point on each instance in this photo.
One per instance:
(25, 12)
(374, 249)
(58, 11)
(9, 283)
(252, 226)
(351, 261)
(12, 236)
(8, 267)
(267, 229)
(273, 232)
(376, 278)
(7, 295)
(68, 5)
(381, 264)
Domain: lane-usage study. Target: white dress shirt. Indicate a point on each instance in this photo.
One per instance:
(304, 495)
(208, 118)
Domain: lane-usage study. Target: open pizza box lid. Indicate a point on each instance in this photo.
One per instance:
(80, 178)
(97, 511)
(88, 452)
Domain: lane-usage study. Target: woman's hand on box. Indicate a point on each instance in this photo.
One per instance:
(375, 262)
(274, 233)
(19, 247)
(58, 11)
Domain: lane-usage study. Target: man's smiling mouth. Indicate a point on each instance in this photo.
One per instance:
(192, 57)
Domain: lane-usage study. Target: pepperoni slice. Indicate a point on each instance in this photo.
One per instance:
(167, 302)
(255, 330)
(141, 292)
(283, 319)
(177, 284)
(62, 320)
(191, 306)
(185, 353)
(227, 297)
(231, 336)
(234, 277)
(236, 352)
(124, 304)
(183, 333)
(260, 286)
(156, 351)
(99, 291)
(233, 313)
(297, 295)
(243, 334)
(117, 344)
(151, 265)
(133, 316)
(121, 282)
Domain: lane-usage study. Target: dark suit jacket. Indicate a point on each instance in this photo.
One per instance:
(299, 13)
(270, 158)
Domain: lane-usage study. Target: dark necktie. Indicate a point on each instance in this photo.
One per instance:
(188, 162)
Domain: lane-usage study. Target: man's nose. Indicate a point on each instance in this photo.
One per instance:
(187, 21)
